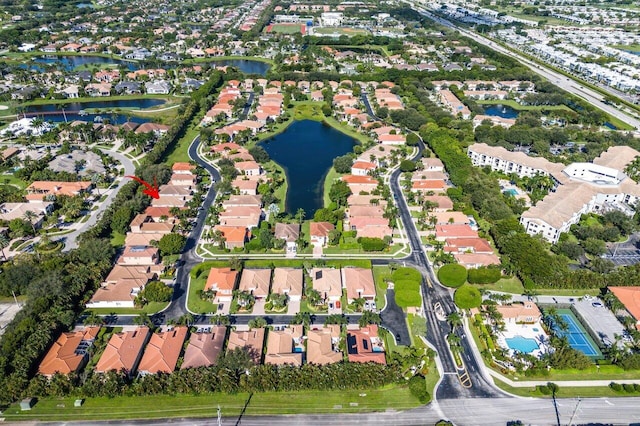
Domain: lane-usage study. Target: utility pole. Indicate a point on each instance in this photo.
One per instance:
(575, 411)
(219, 416)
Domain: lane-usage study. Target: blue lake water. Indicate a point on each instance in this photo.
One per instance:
(501, 111)
(53, 112)
(71, 62)
(244, 65)
(306, 150)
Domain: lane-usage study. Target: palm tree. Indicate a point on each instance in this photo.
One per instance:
(30, 217)
(454, 319)
(220, 320)
(453, 339)
(93, 319)
(4, 243)
(300, 215)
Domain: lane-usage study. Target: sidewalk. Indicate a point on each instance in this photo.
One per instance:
(489, 373)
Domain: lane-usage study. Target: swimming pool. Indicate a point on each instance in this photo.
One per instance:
(535, 329)
(511, 191)
(522, 344)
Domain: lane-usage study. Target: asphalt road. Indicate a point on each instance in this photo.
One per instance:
(462, 411)
(129, 169)
(565, 83)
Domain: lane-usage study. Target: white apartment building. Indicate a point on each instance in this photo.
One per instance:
(581, 188)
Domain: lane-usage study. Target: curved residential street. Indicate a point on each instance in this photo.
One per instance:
(129, 169)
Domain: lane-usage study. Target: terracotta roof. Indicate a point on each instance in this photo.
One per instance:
(252, 340)
(320, 345)
(360, 179)
(256, 281)
(287, 231)
(477, 245)
(630, 298)
(327, 281)
(361, 344)
(287, 281)
(68, 353)
(233, 234)
(455, 231)
(204, 348)
(123, 351)
(221, 279)
(163, 350)
(280, 346)
(320, 229)
(475, 259)
(359, 282)
(520, 311)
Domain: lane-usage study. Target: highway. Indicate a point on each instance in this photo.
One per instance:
(565, 83)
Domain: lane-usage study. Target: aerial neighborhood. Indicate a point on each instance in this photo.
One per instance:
(376, 209)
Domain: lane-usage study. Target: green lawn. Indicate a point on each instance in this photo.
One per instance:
(195, 303)
(180, 151)
(350, 32)
(379, 274)
(606, 372)
(568, 292)
(10, 179)
(167, 406)
(629, 48)
(328, 180)
(515, 105)
(507, 285)
(149, 308)
(565, 392)
(285, 28)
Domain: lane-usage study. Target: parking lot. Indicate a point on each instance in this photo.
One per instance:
(599, 319)
(7, 312)
(626, 253)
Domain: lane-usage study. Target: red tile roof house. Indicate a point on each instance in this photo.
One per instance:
(288, 281)
(243, 201)
(252, 341)
(69, 353)
(444, 203)
(467, 245)
(223, 282)
(476, 260)
(319, 232)
(204, 349)
(289, 232)
(437, 186)
(234, 236)
(451, 218)
(364, 345)
(40, 190)
(322, 345)
(247, 216)
(162, 353)
(328, 282)
(139, 255)
(249, 168)
(630, 298)
(256, 282)
(284, 347)
(362, 168)
(121, 286)
(124, 351)
(183, 179)
(444, 232)
(183, 168)
(359, 283)
(245, 186)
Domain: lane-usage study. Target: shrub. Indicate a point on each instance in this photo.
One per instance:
(407, 293)
(628, 388)
(452, 275)
(544, 389)
(467, 297)
(484, 275)
(418, 388)
(617, 387)
(636, 387)
(372, 244)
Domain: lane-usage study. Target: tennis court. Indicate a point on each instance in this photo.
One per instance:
(577, 335)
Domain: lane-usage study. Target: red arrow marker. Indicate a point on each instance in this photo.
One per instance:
(151, 191)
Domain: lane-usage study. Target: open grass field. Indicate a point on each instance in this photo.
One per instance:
(380, 273)
(284, 28)
(168, 406)
(339, 30)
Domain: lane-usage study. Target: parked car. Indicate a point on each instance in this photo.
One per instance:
(597, 305)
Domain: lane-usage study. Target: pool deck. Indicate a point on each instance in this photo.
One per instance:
(527, 331)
